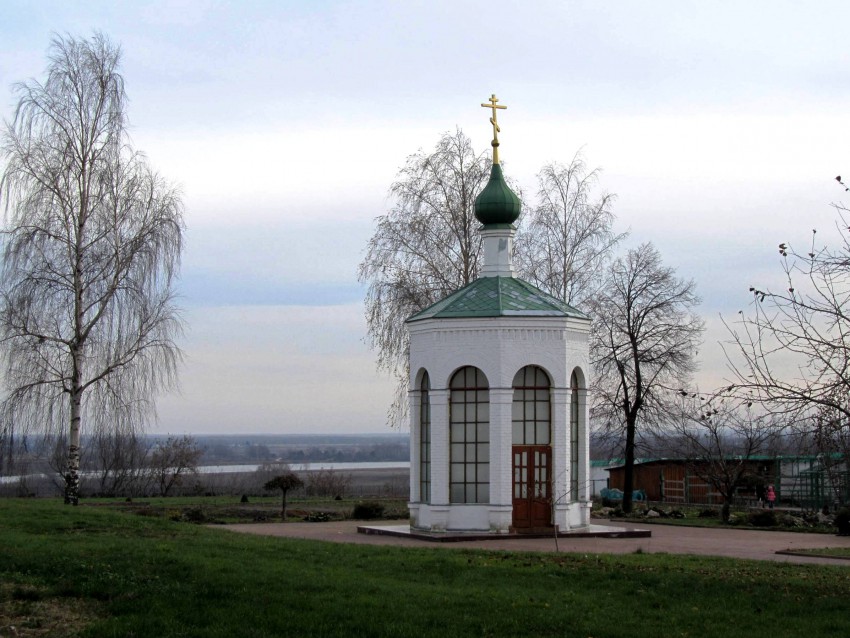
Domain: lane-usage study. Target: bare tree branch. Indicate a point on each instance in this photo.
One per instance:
(792, 350)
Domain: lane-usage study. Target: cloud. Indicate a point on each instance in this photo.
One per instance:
(718, 126)
(277, 369)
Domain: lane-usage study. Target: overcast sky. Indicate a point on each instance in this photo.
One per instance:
(719, 125)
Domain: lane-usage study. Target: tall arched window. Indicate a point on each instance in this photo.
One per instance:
(530, 416)
(574, 432)
(469, 427)
(424, 439)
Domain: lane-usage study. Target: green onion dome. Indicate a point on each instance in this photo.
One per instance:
(497, 203)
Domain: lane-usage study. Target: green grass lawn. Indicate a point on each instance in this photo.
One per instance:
(98, 571)
(229, 509)
(749, 518)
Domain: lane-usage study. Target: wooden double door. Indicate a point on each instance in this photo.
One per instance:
(532, 487)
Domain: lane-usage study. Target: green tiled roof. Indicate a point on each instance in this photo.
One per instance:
(498, 297)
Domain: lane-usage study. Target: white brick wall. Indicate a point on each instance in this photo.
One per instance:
(499, 347)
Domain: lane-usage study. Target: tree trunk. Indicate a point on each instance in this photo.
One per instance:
(724, 511)
(283, 507)
(629, 468)
(72, 475)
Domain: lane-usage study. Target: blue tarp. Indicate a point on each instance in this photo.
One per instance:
(613, 494)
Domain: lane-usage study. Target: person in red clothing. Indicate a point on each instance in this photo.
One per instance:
(770, 496)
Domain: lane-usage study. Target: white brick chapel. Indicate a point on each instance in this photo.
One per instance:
(498, 378)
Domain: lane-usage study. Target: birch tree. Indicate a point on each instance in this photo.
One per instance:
(91, 249)
(565, 241)
(643, 343)
(426, 247)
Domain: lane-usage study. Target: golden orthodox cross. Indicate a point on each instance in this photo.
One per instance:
(496, 129)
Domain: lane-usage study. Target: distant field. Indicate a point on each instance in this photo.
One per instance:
(364, 483)
(96, 571)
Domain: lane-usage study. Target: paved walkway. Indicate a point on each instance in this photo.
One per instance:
(735, 543)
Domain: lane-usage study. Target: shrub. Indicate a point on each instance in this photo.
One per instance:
(763, 518)
(396, 510)
(318, 517)
(194, 515)
(842, 522)
(368, 510)
(788, 520)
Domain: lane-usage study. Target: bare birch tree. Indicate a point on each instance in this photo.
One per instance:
(92, 244)
(643, 342)
(426, 247)
(565, 241)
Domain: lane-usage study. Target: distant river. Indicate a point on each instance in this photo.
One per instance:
(233, 469)
(377, 465)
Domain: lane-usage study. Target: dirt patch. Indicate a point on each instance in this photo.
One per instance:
(30, 612)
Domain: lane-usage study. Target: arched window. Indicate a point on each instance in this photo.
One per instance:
(424, 440)
(574, 433)
(530, 415)
(469, 427)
